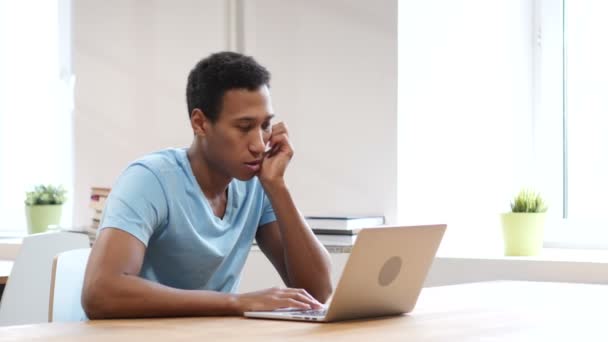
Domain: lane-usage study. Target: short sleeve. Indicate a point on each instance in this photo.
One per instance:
(137, 204)
(267, 212)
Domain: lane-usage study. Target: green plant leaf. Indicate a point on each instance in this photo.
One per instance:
(46, 194)
(528, 201)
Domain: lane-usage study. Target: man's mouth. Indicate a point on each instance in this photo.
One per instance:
(254, 165)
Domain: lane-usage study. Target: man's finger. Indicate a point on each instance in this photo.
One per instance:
(304, 299)
(308, 296)
(278, 139)
(292, 303)
(279, 128)
(277, 143)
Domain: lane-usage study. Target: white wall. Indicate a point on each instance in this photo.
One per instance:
(334, 66)
(131, 60)
(449, 271)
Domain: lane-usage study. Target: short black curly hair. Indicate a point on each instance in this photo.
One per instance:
(218, 73)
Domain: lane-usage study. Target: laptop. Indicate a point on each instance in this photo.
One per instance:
(383, 276)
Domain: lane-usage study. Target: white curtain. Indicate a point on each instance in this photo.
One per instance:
(35, 104)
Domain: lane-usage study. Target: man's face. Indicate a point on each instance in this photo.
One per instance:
(236, 142)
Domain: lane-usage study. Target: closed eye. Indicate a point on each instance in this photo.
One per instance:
(246, 124)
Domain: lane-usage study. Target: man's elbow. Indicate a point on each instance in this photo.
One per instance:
(96, 303)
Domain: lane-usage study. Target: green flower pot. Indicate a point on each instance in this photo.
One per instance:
(40, 217)
(523, 233)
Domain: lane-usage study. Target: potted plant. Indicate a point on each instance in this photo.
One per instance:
(43, 207)
(523, 227)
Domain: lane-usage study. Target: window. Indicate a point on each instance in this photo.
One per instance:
(465, 115)
(586, 86)
(35, 104)
(578, 54)
(496, 96)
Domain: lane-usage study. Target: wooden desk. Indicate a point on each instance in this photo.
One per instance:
(494, 311)
(5, 270)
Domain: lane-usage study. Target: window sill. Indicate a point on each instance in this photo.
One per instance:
(547, 254)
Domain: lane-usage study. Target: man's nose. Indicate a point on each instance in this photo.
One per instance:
(258, 145)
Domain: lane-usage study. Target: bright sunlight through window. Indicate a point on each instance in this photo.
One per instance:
(35, 104)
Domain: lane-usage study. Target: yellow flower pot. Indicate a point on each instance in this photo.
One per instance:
(40, 217)
(523, 233)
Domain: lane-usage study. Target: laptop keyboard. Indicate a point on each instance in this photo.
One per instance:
(320, 312)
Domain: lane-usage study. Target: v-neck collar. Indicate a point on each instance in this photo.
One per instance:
(229, 192)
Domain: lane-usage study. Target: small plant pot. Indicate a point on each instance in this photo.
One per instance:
(523, 233)
(40, 217)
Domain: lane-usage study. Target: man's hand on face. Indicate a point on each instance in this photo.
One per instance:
(277, 158)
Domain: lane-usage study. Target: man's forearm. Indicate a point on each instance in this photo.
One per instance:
(307, 262)
(127, 296)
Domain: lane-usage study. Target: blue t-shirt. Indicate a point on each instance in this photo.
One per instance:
(158, 201)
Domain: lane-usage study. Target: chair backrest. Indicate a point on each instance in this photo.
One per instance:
(26, 296)
(67, 278)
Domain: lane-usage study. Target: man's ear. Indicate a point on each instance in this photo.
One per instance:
(199, 122)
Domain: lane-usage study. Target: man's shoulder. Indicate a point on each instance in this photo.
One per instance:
(161, 161)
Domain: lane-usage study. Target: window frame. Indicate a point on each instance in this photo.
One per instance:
(551, 132)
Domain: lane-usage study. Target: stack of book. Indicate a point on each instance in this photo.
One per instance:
(341, 230)
(97, 202)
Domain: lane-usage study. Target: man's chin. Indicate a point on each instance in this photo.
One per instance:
(246, 177)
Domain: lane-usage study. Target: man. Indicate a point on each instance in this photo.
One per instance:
(179, 223)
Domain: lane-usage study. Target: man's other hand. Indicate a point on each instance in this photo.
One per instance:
(276, 298)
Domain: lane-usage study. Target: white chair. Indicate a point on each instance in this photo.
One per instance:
(67, 278)
(26, 296)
